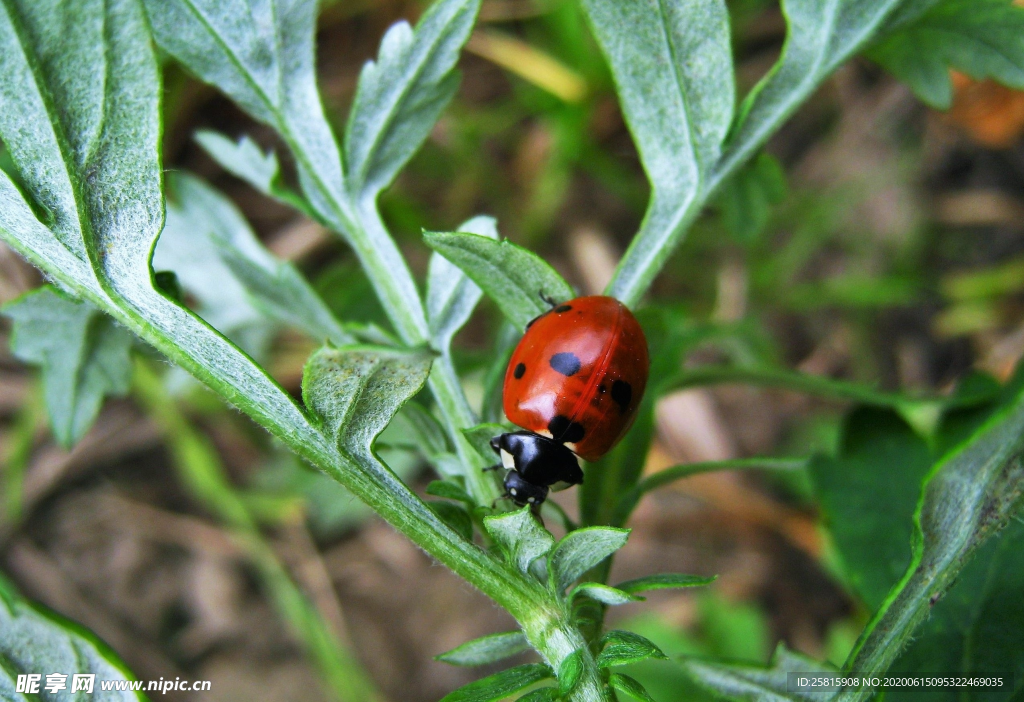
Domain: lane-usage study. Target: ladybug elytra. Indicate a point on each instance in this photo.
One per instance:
(573, 384)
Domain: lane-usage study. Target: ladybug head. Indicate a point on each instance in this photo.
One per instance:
(523, 492)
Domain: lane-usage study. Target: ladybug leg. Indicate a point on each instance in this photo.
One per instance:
(496, 466)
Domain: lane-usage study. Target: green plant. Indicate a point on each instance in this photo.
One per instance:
(79, 117)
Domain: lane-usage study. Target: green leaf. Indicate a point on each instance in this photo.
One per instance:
(604, 594)
(244, 159)
(868, 493)
(664, 581)
(745, 200)
(354, 391)
(34, 641)
(754, 683)
(581, 550)
(516, 279)
(977, 628)
(967, 497)
(570, 670)
(451, 296)
(480, 438)
(454, 516)
(500, 685)
(541, 694)
(981, 38)
(487, 649)
(218, 258)
(672, 64)
(261, 56)
(425, 431)
(629, 686)
(450, 491)
(401, 95)
(82, 354)
(520, 536)
(626, 648)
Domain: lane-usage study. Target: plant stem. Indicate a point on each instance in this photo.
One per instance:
(555, 639)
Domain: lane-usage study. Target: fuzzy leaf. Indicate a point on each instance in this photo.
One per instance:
(754, 683)
(82, 354)
(569, 672)
(246, 160)
(629, 686)
(455, 516)
(427, 432)
(602, 593)
(33, 641)
(672, 64)
(401, 95)
(355, 391)
(664, 581)
(487, 649)
(516, 279)
(520, 536)
(261, 55)
(967, 497)
(451, 295)
(581, 550)
(500, 685)
(626, 648)
(981, 38)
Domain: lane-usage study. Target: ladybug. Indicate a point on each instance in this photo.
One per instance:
(573, 384)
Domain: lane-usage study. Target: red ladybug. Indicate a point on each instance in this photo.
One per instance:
(573, 383)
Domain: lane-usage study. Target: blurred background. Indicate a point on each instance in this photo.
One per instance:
(884, 244)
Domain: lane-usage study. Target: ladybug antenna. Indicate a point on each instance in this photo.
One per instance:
(548, 299)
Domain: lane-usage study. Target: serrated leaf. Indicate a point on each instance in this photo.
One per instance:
(746, 199)
(487, 649)
(400, 96)
(33, 641)
(664, 581)
(604, 594)
(967, 497)
(516, 279)
(354, 391)
(581, 550)
(455, 516)
(629, 686)
(570, 670)
(480, 436)
(450, 491)
(244, 159)
(500, 685)
(261, 55)
(978, 37)
(626, 648)
(754, 683)
(451, 295)
(672, 64)
(82, 354)
(520, 536)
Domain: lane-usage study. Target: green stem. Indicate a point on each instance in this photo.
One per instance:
(201, 471)
(19, 450)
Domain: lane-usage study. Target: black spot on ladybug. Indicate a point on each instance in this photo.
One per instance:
(602, 389)
(565, 431)
(520, 368)
(563, 308)
(622, 393)
(566, 363)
